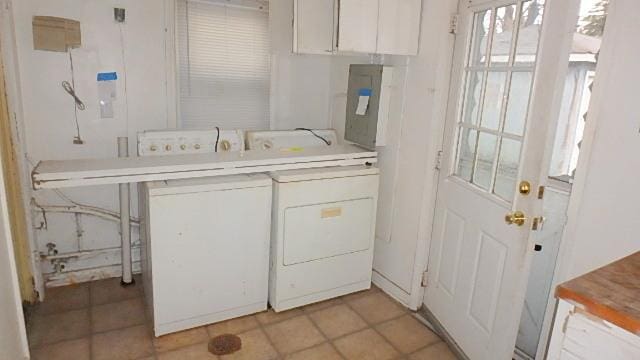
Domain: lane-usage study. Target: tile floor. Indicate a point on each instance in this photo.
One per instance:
(102, 320)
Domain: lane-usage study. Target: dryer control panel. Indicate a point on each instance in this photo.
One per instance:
(178, 142)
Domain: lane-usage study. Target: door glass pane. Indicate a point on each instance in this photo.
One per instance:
(472, 98)
(507, 172)
(517, 103)
(529, 33)
(483, 173)
(466, 153)
(481, 27)
(494, 94)
(503, 35)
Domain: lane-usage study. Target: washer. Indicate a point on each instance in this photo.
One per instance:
(200, 262)
(323, 225)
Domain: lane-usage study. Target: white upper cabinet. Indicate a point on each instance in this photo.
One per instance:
(398, 27)
(356, 26)
(314, 26)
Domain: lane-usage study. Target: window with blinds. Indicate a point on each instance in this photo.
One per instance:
(223, 63)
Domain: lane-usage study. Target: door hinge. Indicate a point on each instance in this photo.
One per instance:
(425, 277)
(540, 192)
(453, 24)
(438, 160)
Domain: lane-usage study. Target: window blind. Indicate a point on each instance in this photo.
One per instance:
(223, 64)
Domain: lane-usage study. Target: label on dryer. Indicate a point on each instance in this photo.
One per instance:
(331, 212)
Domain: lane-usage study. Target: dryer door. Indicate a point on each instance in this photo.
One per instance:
(319, 231)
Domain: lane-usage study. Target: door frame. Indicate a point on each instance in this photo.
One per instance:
(9, 55)
(561, 21)
(20, 334)
(567, 242)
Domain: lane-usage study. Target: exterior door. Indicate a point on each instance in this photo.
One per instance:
(494, 138)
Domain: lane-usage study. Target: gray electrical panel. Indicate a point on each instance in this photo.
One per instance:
(363, 102)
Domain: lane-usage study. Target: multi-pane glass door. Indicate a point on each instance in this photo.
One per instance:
(498, 81)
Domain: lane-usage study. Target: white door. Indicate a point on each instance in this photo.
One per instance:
(13, 338)
(494, 138)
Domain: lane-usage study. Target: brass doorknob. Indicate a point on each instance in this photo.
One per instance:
(516, 217)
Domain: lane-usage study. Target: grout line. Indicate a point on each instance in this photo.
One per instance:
(90, 322)
(262, 328)
(328, 340)
(372, 326)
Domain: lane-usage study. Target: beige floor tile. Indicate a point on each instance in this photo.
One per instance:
(64, 298)
(78, 349)
(270, 316)
(439, 351)
(407, 334)
(58, 327)
(365, 345)
(110, 290)
(233, 326)
(180, 339)
(337, 321)
(322, 305)
(294, 334)
(255, 346)
(376, 307)
(359, 294)
(129, 343)
(322, 352)
(117, 315)
(192, 352)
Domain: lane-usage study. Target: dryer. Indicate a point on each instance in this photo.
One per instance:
(323, 224)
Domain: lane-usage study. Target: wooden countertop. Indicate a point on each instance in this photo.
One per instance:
(611, 292)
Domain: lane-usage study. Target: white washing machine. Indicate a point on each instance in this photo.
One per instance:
(323, 224)
(205, 246)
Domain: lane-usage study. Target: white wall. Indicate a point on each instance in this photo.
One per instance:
(604, 220)
(419, 137)
(307, 91)
(48, 112)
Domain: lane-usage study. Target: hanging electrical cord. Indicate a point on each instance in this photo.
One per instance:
(78, 105)
(217, 138)
(69, 89)
(316, 135)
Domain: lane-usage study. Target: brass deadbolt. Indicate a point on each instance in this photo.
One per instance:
(524, 188)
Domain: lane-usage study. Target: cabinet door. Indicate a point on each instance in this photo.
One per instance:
(398, 27)
(358, 25)
(313, 26)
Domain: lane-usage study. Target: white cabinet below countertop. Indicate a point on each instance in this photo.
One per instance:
(356, 26)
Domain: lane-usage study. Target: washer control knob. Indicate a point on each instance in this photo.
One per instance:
(167, 147)
(196, 146)
(224, 145)
(183, 147)
(153, 148)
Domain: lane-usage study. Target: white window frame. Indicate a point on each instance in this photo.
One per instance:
(171, 64)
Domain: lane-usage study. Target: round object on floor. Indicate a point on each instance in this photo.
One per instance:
(225, 344)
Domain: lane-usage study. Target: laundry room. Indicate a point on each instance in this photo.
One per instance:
(306, 179)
